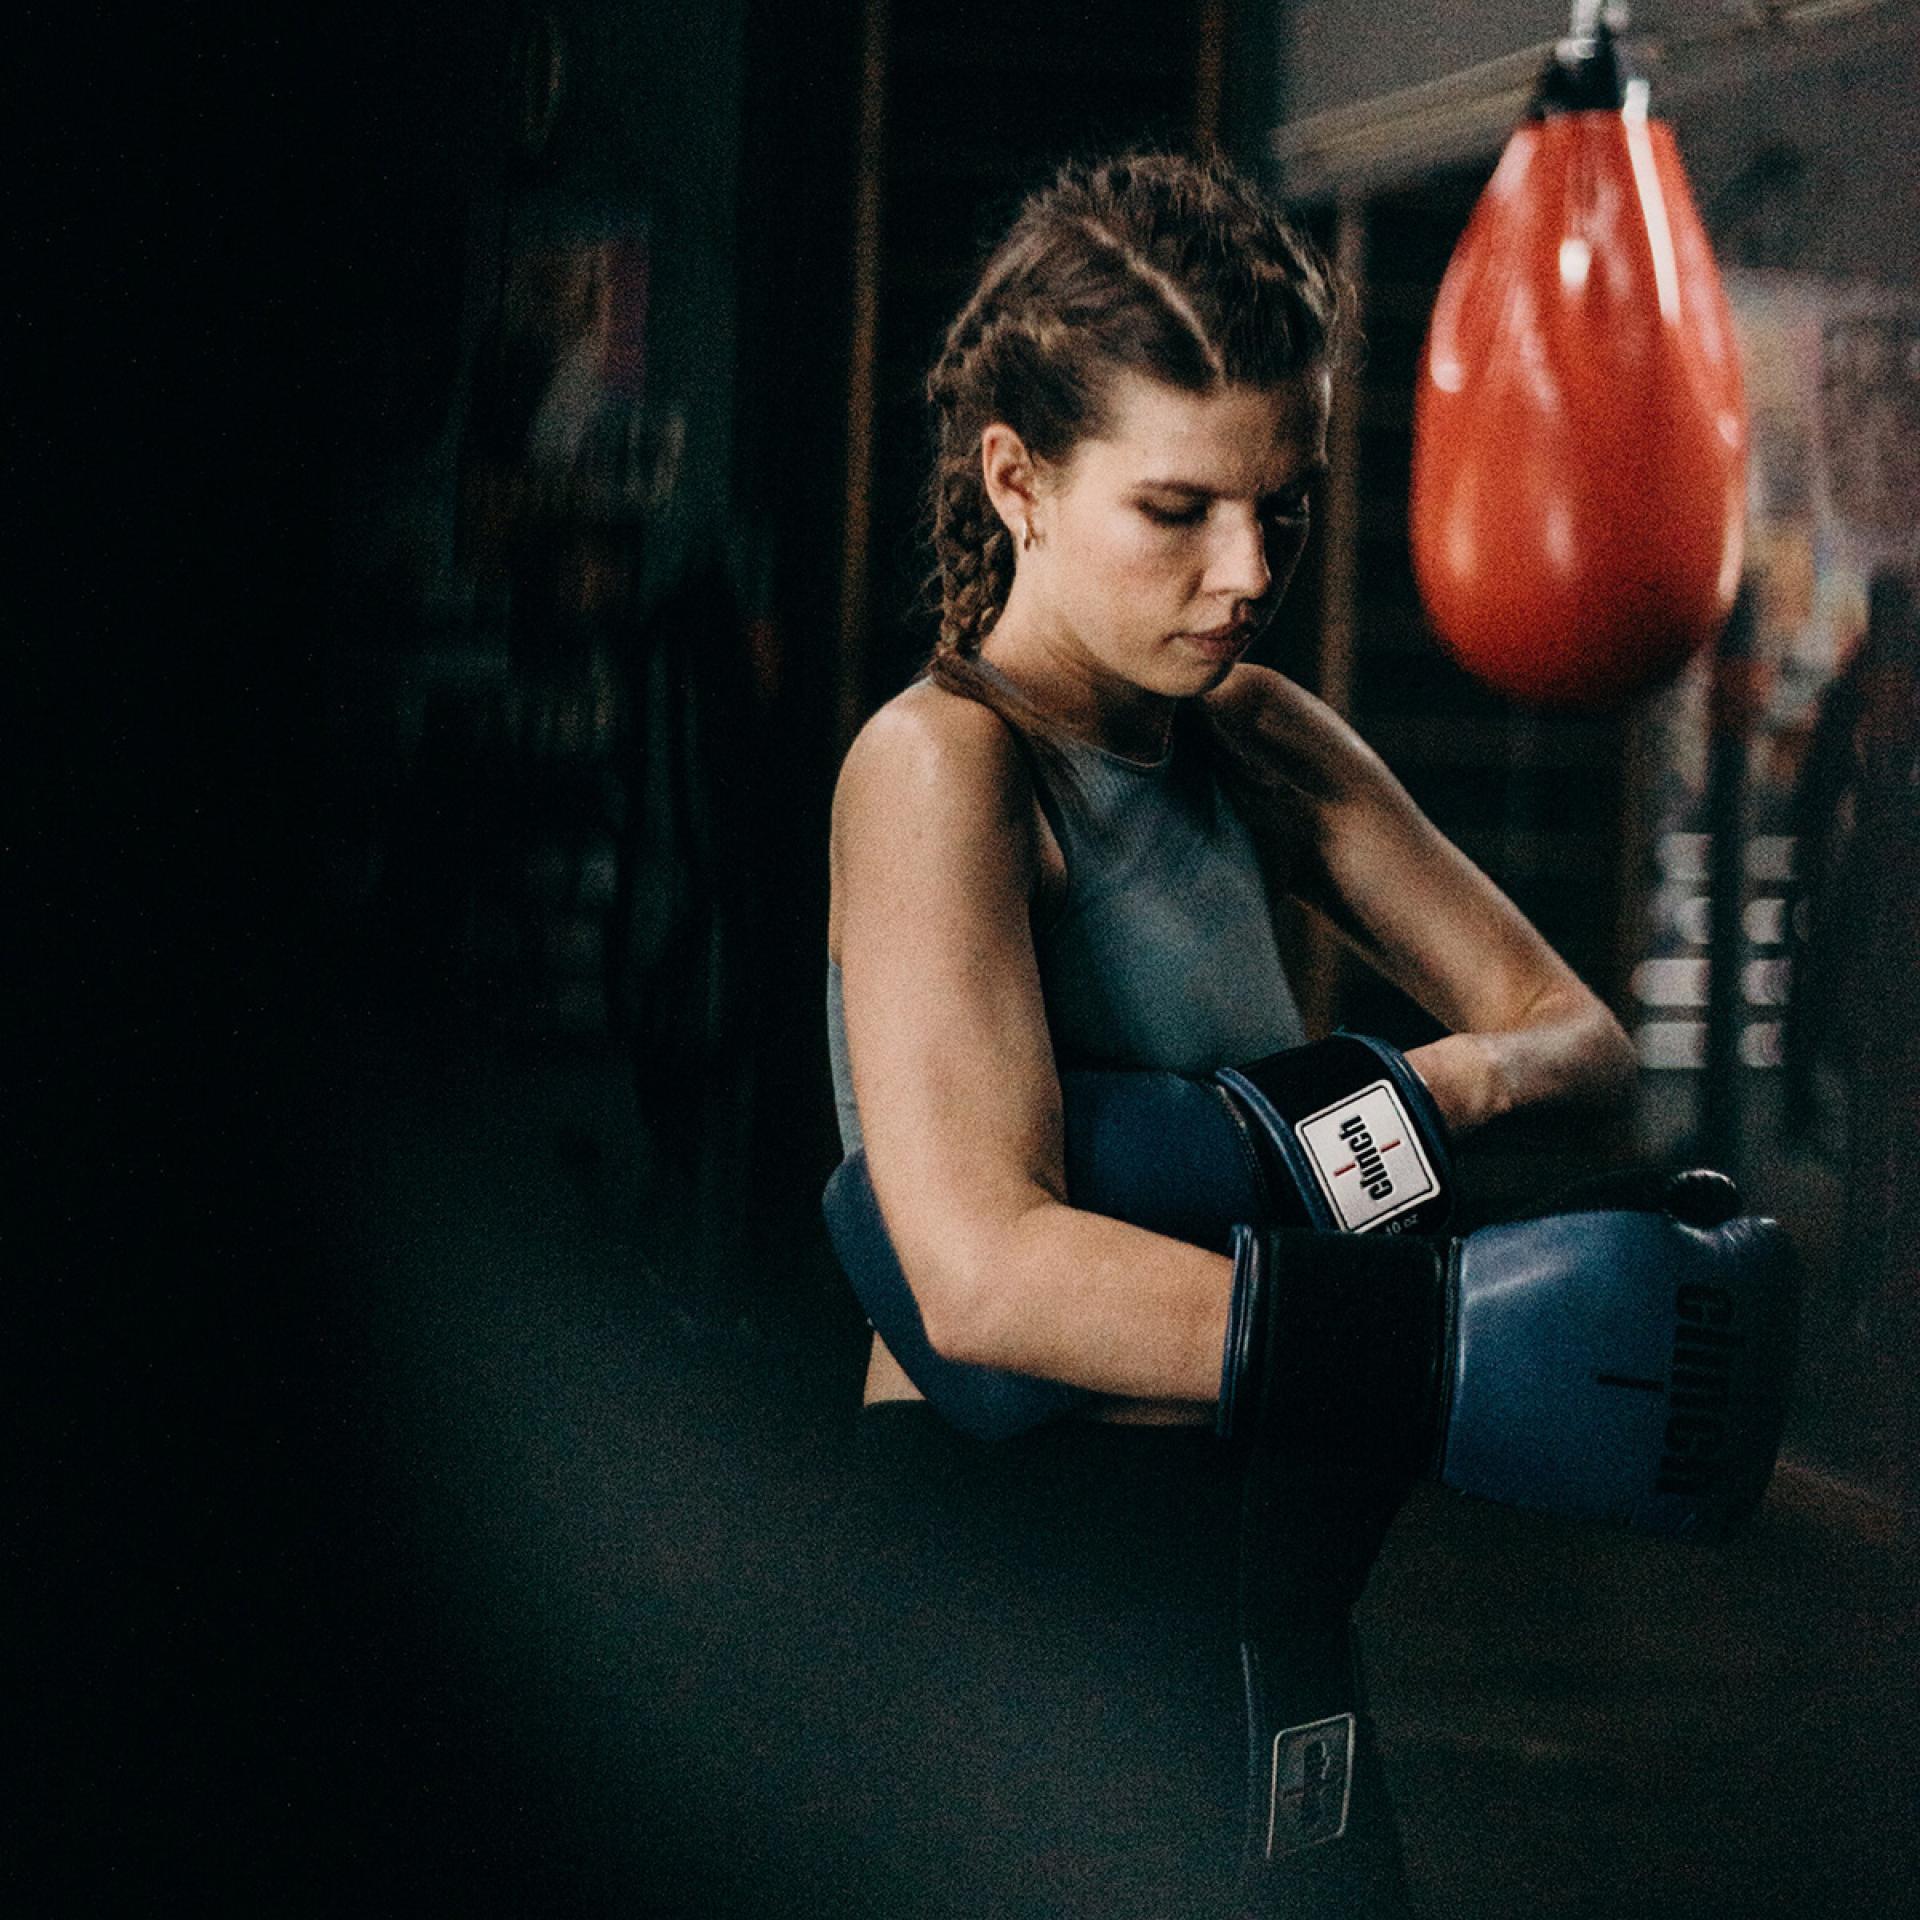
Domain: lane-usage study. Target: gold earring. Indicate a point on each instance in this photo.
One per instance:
(1026, 536)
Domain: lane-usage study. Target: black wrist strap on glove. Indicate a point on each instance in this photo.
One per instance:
(1336, 1346)
(1349, 1136)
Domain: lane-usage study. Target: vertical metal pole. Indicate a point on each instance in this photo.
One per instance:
(1341, 500)
(1720, 1137)
(1883, 1029)
(856, 561)
(1323, 959)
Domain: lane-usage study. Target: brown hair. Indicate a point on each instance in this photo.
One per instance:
(1151, 263)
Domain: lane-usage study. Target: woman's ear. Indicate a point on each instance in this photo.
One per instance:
(1011, 478)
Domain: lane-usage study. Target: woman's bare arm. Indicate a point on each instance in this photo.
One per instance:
(1525, 1030)
(935, 860)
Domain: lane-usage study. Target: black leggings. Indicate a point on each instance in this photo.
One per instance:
(1062, 1630)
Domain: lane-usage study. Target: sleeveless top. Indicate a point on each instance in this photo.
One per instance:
(1162, 952)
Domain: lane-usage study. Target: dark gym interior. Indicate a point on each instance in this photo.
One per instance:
(466, 475)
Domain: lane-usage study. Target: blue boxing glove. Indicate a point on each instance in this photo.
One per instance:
(1338, 1135)
(1614, 1363)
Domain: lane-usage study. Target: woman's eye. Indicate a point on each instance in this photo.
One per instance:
(1173, 516)
(1283, 509)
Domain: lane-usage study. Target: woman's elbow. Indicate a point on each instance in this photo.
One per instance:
(952, 1317)
(1608, 1067)
(968, 1293)
(1576, 1037)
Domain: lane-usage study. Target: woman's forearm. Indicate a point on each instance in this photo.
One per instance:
(1075, 1296)
(1568, 1051)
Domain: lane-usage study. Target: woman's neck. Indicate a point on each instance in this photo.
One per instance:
(1068, 687)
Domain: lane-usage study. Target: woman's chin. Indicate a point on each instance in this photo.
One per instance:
(1201, 663)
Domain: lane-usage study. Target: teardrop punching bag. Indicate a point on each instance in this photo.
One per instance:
(1580, 436)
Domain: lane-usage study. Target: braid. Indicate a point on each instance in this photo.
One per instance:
(973, 555)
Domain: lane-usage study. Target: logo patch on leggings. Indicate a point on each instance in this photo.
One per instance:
(1367, 1157)
(1311, 1785)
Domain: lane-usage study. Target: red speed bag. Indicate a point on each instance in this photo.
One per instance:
(1579, 432)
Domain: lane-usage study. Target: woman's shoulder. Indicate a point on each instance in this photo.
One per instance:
(1257, 703)
(926, 737)
(934, 795)
(932, 757)
(1276, 721)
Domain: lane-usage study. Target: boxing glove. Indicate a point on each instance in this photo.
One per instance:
(1614, 1364)
(1339, 1135)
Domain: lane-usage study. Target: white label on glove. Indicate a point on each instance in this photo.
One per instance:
(1367, 1157)
(1310, 1786)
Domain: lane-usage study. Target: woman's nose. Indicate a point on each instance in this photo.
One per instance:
(1240, 566)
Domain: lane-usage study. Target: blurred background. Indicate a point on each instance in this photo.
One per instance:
(465, 466)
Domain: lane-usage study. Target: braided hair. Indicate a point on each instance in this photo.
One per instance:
(1151, 263)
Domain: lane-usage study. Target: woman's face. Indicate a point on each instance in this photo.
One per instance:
(1162, 547)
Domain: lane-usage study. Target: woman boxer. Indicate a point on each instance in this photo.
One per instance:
(1062, 847)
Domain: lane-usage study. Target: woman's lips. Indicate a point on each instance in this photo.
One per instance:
(1224, 639)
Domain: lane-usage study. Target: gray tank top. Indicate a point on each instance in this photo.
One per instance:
(1162, 952)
